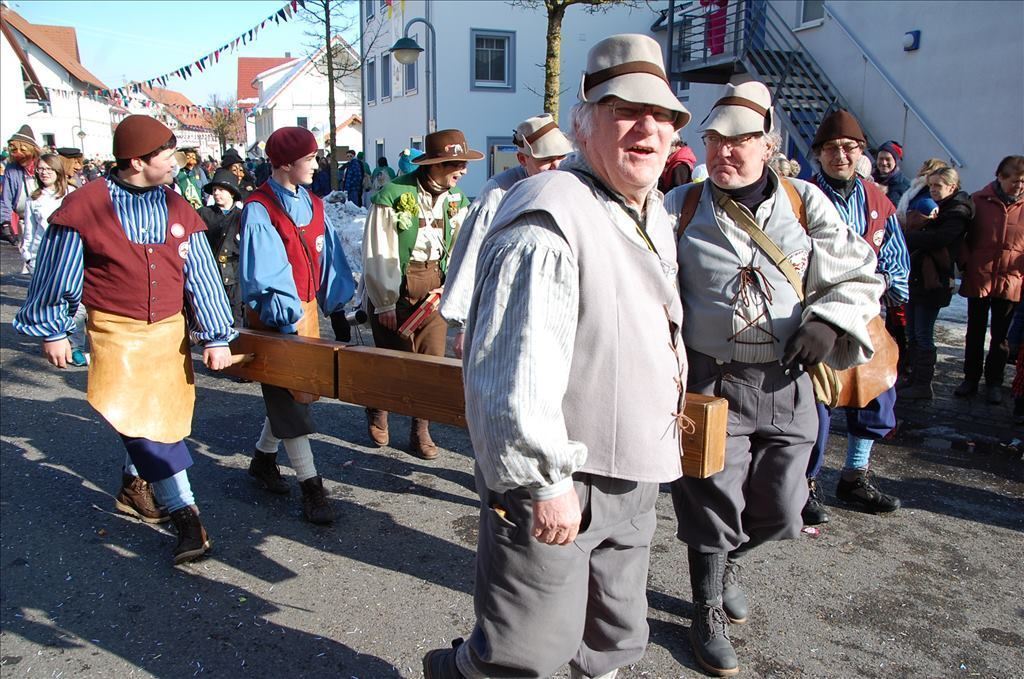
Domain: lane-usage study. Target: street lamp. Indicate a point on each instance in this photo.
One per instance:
(407, 51)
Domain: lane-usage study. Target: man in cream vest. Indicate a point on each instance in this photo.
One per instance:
(748, 340)
(573, 373)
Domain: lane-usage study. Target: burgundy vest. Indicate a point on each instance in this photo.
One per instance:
(302, 244)
(879, 209)
(143, 282)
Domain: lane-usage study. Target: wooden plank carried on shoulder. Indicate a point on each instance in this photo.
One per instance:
(424, 386)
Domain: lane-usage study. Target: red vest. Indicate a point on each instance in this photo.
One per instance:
(302, 244)
(880, 208)
(143, 282)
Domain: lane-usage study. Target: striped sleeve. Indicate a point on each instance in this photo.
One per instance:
(207, 307)
(894, 262)
(55, 291)
(516, 370)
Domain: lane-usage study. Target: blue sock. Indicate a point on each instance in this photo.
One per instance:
(858, 452)
(174, 493)
(129, 468)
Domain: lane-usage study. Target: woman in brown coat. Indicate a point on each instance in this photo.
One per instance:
(993, 257)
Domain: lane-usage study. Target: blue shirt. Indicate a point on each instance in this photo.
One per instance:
(265, 273)
(55, 291)
(893, 258)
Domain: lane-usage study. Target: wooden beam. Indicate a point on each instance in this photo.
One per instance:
(424, 386)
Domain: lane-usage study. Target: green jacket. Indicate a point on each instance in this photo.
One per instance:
(390, 195)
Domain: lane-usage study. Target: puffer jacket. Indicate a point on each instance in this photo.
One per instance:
(993, 251)
(933, 249)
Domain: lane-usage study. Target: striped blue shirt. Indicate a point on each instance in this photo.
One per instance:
(55, 291)
(893, 258)
(265, 273)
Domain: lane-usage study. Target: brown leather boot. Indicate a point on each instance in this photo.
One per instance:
(136, 498)
(377, 426)
(315, 506)
(193, 541)
(420, 443)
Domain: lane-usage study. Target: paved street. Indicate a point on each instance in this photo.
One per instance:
(934, 590)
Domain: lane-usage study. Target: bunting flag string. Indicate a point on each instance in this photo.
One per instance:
(286, 13)
(144, 102)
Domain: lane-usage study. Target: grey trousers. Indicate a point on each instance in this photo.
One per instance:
(541, 606)
(772, 426)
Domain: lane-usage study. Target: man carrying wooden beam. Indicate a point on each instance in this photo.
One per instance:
(573, 375)
(409, 233)
(290, 259)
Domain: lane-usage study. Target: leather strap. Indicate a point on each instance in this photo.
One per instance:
(594, 79)
(689, 209)
(541, 132)
(741, 101)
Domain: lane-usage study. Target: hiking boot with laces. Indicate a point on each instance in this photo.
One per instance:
(315, 506)
(734, 600)
(263, 467)
(709, 637)
(440, 663)
(814, 512)
(136, 499)
(857, 488)
(193, 541)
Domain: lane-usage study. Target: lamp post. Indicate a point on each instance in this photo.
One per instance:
(406, 51)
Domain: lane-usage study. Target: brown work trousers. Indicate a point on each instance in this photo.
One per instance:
(420, 278)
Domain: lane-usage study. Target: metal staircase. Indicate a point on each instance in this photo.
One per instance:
(712, 44)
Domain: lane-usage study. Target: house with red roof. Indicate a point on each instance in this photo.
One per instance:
(57, 94)
(191, 125)
(294, 92)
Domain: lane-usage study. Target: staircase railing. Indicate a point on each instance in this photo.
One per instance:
(908, 107)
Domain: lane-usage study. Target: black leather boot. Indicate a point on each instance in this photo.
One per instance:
(263, 467)
(193, 541)
(734, 600)
(440, 663)
(315, 506)
(709, 631)
(857, 487)
(814, 512)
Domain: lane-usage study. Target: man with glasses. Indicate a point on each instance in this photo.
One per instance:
(573, 373)
(749, 339)
(838, 146)
(408, 236)
(540, 146)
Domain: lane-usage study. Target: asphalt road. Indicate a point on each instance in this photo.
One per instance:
(934, 590)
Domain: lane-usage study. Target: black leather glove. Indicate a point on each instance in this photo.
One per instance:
(810, 344)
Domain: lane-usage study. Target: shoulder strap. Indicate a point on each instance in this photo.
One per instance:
(799, 209)
(767, 245)
(689, 209)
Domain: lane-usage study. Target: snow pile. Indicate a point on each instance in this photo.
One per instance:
(348, 220)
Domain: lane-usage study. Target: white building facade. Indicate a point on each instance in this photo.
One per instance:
(295, 94)
(490, 78)
(957, 95)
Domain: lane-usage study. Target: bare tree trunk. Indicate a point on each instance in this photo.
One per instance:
(552, 59)
(330, 98)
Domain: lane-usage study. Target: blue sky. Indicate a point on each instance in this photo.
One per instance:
(136, 40)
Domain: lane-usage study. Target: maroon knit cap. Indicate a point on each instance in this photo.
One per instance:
(838, 125)
(139, 135)
(288, 144)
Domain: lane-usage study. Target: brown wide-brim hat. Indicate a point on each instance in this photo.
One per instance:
(445, 146)
(839, 124)
(741, 109)
(629, 66)
(539, 137)
(139, 135)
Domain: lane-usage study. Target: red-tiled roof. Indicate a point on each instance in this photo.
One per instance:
(249, 68)
(60, 42)
(174, 100)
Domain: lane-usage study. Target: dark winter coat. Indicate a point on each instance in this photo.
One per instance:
(993, 252)
(933, 249)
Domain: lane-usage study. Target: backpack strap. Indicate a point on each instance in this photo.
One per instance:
(799, 209)
(689, 209)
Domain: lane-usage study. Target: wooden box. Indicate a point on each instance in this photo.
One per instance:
(704, 449)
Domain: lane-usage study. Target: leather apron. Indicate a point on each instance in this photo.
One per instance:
(140, 375)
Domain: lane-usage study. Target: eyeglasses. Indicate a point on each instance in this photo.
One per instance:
(45, 168)
(717, 141)
(833, 148)
(627, 110)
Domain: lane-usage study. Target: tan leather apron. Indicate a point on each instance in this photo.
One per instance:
(140, 375)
